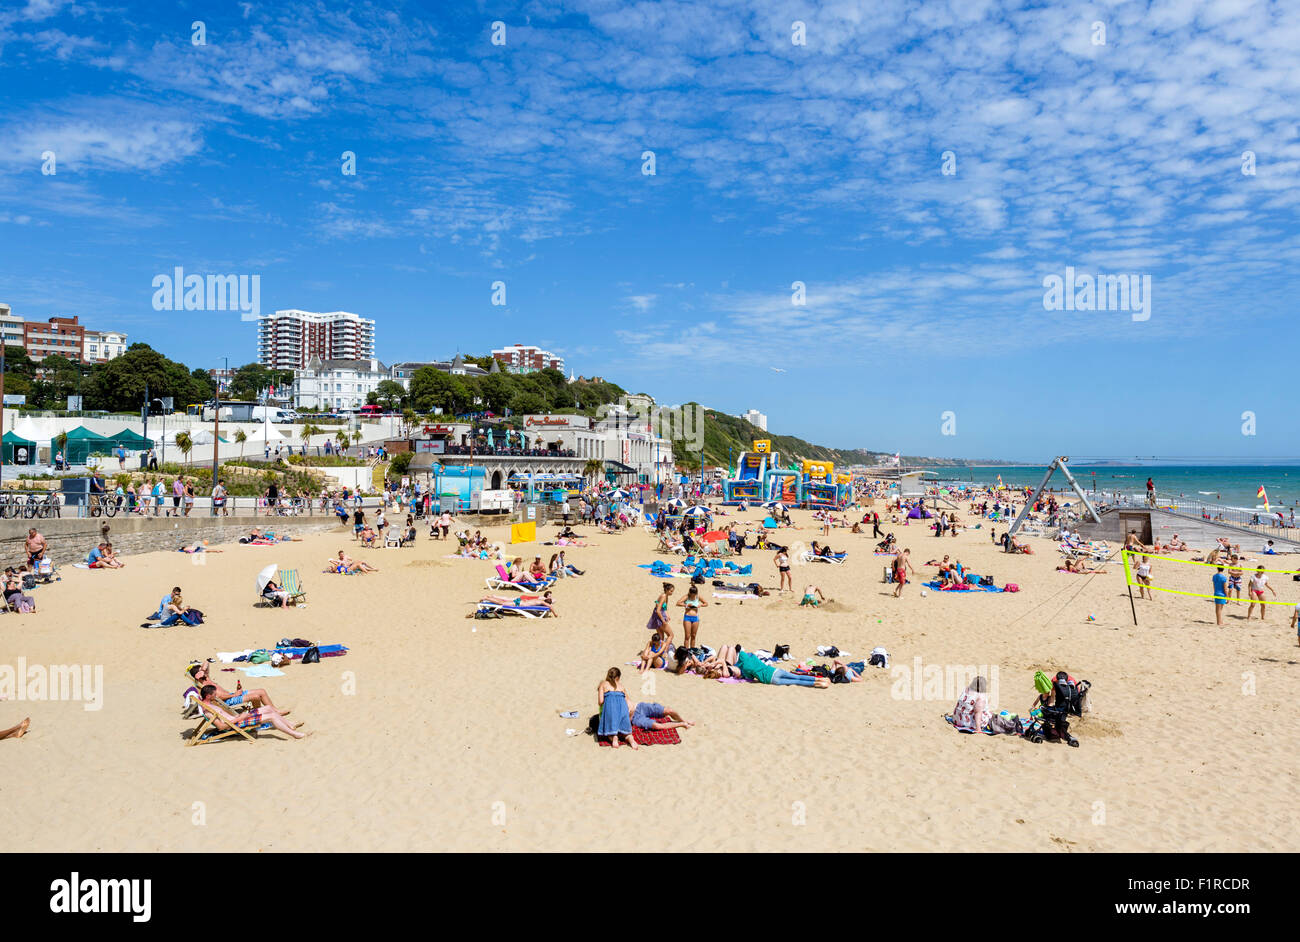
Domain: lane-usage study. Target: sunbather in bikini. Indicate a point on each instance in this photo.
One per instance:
(251, 719)
(654, 655)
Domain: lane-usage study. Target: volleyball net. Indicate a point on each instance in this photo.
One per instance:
(1251, 582)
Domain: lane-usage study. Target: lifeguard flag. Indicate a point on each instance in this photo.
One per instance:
(1000, 484)
(1264, 494)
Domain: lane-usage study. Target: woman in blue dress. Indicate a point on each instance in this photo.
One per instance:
(615, 715)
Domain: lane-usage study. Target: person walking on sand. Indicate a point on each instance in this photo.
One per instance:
(1220, 584)
(1258, 583)
(902, 563)
(782, 563)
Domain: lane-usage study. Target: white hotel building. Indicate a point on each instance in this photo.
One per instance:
(290, 339)
(326, 385)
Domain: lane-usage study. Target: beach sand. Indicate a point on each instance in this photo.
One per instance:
(439, 732)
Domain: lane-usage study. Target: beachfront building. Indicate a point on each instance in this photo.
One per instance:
(65, 336)
(329, 385)
(290, 339)
(754, 417)
(100, 346)
(456, 366)
(518, 358)
(11, 327)
(553, 444)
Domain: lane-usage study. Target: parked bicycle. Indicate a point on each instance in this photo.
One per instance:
(103, 504)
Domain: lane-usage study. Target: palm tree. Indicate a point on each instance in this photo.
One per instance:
(185, 443)
(342, 438)
(356, 437)
(60, 444)
(408, 420)
(592, 468)
(308, 430)
(241, 437)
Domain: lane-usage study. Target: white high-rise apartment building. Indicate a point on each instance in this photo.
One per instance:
(289, 340)
(754, 417)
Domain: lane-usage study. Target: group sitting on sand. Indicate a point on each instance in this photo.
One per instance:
(103, 557)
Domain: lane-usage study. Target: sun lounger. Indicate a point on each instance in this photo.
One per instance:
(838, 558)
(525, 611)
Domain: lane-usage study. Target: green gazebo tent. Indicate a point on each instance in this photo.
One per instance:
(82, 442)
(13, 441)
(131, 441)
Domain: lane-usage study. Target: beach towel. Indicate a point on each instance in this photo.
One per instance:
(960, 587)
(960, 729)
(733, 595)
(262, 670)
(655, 737)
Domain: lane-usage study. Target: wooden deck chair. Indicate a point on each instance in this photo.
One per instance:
(207, 730)
(290, 582)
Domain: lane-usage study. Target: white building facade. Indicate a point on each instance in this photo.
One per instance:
(328, 385)
(754, 417)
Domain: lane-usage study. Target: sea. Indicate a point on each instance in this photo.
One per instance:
(1231, 485)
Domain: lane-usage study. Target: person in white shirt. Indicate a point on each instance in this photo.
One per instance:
(1258, 583)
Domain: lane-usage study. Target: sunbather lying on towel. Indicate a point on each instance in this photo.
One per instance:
(251, 719)
(752, 668)
(651, 716)
(526, 601)
(254, 698)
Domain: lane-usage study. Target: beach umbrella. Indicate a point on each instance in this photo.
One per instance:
(619, 494)
(676, 502)
(774, 505)
(266, 575)
(714, 535)
(696, 511)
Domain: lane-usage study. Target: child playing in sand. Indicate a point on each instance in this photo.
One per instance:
(812, 596)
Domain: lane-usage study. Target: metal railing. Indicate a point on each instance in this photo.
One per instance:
(1195, 508)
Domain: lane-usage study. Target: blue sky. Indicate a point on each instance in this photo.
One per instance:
(775, 163)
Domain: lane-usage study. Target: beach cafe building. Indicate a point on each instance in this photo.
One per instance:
(552, 444)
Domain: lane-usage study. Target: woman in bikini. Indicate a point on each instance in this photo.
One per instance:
(783, 569)
(655, 654)
(659, 617)
(691, 618)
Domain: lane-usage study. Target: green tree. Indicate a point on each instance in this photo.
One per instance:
(433, 389)
(308, 430)
(119, 384)
(186, 444)
(241, 438)
(249, 380)
(390, 393)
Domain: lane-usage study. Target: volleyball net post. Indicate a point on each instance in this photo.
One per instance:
(1128, 581)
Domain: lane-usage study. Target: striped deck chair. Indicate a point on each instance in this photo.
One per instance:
(245, 727)
(290, 582)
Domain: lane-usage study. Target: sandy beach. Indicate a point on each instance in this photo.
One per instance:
(439, 732)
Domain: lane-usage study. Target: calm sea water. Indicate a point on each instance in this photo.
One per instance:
(1234, 485)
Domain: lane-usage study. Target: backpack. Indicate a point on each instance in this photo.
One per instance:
(1069, 697)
